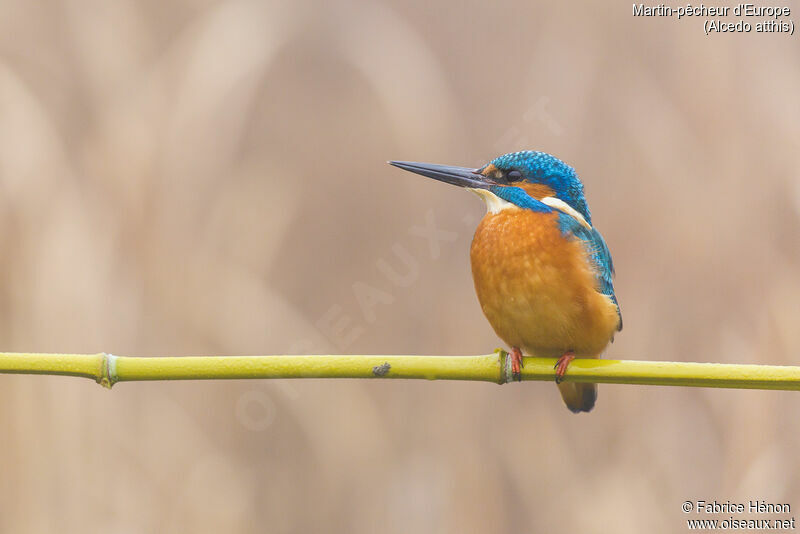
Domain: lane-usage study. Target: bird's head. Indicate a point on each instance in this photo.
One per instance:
(518, 179)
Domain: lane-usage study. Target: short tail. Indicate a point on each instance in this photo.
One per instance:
(578, 397)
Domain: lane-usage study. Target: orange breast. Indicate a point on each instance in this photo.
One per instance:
(536, 288)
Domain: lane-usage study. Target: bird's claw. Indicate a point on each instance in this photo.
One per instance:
(516, 364)
(561, 366)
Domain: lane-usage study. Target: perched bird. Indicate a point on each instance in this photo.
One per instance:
(542, 272)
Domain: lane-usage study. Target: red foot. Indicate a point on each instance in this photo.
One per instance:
(516, 364)
(562, 364)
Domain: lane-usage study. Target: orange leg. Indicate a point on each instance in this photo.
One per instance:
(562, 364)
(516, 364)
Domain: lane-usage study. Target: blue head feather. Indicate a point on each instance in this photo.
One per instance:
(543, 168)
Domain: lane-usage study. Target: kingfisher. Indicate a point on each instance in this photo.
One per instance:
(542, 272)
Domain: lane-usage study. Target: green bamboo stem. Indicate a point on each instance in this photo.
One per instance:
(107, 369)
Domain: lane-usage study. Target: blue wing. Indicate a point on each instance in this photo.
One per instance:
(598, 253)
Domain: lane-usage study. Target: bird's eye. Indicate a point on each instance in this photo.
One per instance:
(514, 176)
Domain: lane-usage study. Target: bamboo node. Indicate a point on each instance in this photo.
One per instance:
(107, 376)
(505, 366)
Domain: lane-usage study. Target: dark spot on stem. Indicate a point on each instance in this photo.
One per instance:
(381, 370)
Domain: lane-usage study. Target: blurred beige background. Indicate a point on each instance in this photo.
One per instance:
(210, 178)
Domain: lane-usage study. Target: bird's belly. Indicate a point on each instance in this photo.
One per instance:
(537, 288)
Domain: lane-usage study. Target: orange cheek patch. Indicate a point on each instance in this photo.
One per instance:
(537, 191)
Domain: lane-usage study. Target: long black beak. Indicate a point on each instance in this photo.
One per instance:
(459, 176)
